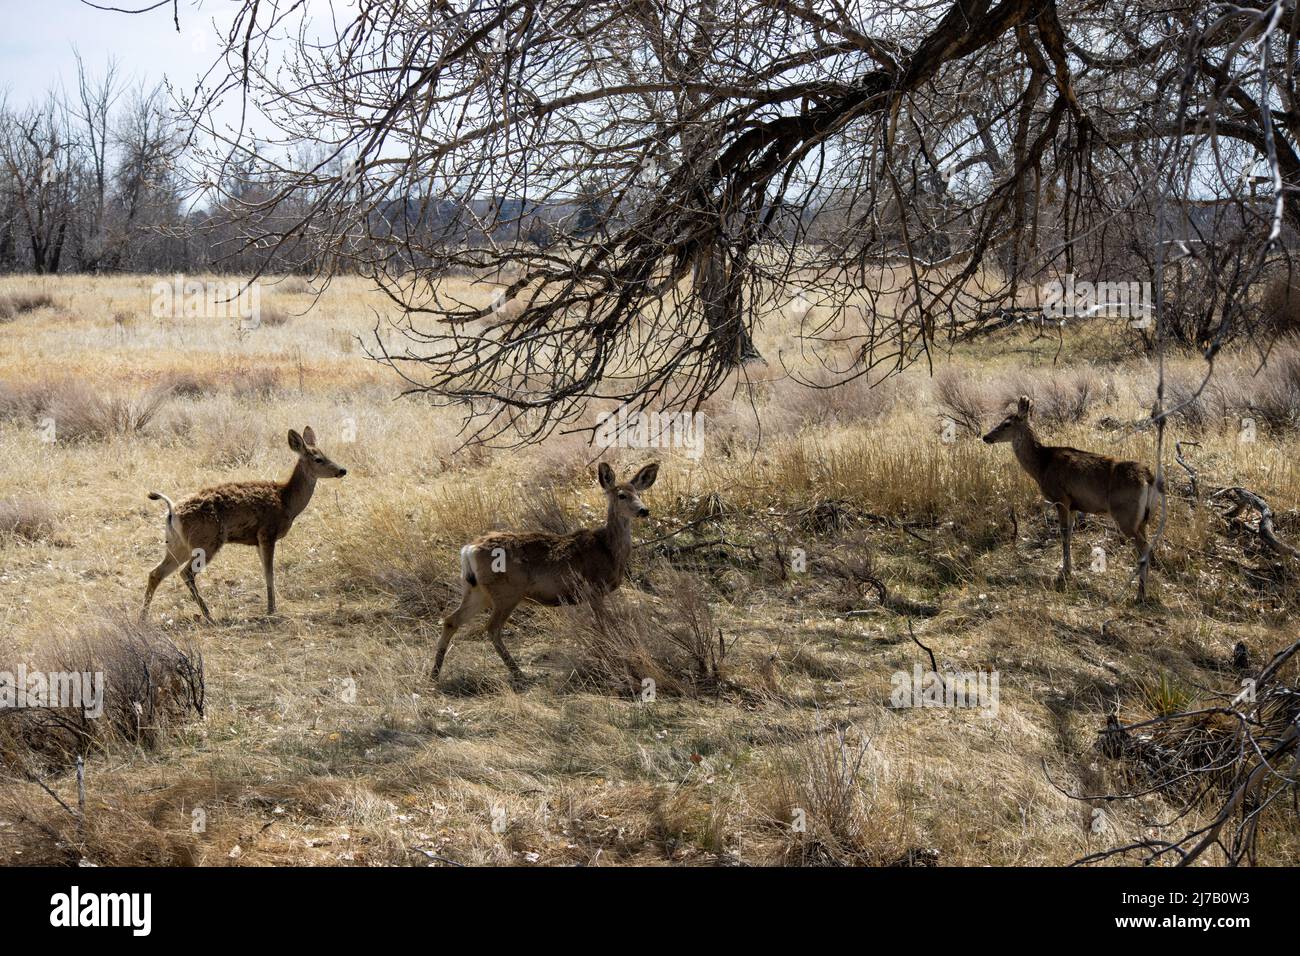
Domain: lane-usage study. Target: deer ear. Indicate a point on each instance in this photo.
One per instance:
(309, 436)
(1025, 406)
(296, 442)
(606, 476)
(645, 477)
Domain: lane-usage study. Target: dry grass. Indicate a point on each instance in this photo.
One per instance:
(30, 519)
(149, 683)
(825, 799)
(14, 304)
(324, 743)
(670, 645)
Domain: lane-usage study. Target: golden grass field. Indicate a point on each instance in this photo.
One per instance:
(324, 743)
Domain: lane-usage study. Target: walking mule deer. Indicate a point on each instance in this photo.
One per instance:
(244, 512)
(1077, 480)
(500, 570)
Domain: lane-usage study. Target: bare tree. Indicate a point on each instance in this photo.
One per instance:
(38, 164)
(90, 111)
(732, 158)
(146, 188)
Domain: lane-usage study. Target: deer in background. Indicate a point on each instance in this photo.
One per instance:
(1077, 480)
(256, 513)
(502, 569)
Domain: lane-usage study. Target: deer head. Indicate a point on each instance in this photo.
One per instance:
(625, 499)
(315, 461)
(1013, 424)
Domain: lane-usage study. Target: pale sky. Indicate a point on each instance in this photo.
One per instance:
(38, 38)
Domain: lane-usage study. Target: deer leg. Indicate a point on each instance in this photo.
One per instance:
(266, 547)
(471, 602)
(1143, 560)
(165, 567)
(1131, 519)
(598, 611)
(187, 575)
(495, 623)
(1063, 513)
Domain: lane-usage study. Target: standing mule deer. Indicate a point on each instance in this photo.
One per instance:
(1077, 480)
(503, 569)
(244, 512)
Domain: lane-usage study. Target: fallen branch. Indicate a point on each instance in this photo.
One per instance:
(1240, 758)
(1243, 499)
(986, 323)
(934, 666)
(1178, 456)
(1248, 499)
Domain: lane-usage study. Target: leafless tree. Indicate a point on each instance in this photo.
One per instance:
(38, 165)
(146, 211)
(88, 180)
(90, 110)
(649, 179)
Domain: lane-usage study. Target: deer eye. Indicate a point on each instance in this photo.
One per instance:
(622, 495)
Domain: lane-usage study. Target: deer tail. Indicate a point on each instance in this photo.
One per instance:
(156, 496)
(466, 570)
(1152, 492)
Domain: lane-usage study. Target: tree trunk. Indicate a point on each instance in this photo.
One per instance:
(720, 281)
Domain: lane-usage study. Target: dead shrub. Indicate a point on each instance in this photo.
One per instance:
(81, 413)
(274, 316)
(187, 383)
(1238, 759)
(1280, 305)
(1270, 394)
(14, 304)
(962, 400)
(818, 797)
(819, 397)
(251, 382)
(1273, 395)
(1067, 399)
(24, 401)
(291, 285)
(28, 518)
(227, 441)
(1191, 410)
(149, 684)
(1061, 398)
(544, 510)
(409, 550)
(242, 381)
(673, 643)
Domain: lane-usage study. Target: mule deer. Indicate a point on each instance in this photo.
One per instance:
(245, 512)
(500, 570)
(1077, 480)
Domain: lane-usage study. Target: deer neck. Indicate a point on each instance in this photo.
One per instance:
(297, 491)
(1028, 452)
(618, 535)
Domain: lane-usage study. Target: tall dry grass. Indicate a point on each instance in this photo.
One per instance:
(864, 481)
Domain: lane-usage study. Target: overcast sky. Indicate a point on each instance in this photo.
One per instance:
(38, 38)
